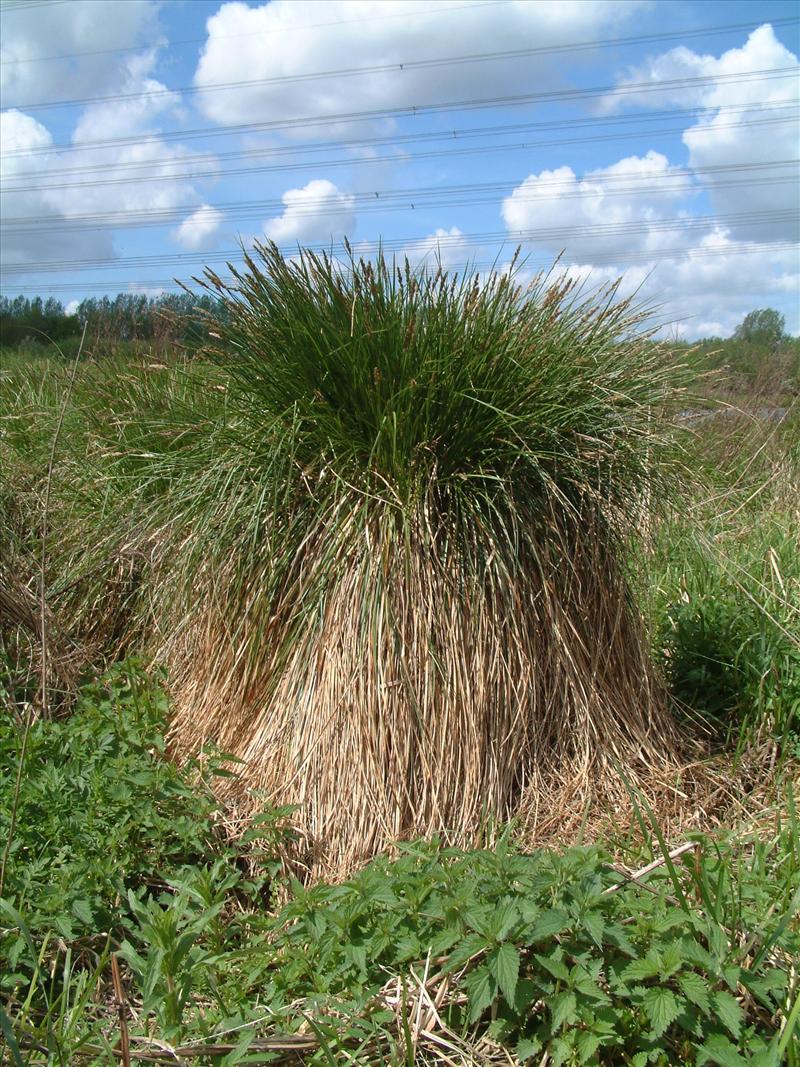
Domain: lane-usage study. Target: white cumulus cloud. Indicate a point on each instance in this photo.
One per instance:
(277, 43)
(199, 228)
(29, 74)
(317, 212)
(610, 211)
(747, 119)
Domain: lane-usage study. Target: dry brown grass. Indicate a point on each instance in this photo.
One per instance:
(424, 699)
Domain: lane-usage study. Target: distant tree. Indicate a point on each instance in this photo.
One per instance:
(764, 327)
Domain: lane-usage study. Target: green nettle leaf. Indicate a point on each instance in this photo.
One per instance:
(718, 1049)
(528, 1047)
(767, 987)
(594, 925)
(564, 1010)
(480, 919)
(470, 946)
(555, 965)
(671, 960)
(768, 1056)
(82, 910)
(548, 924)
(728, 1010)
(587, 1044)
(662, 1007)
(481, 989)
(527, 993)
(560, 1050)
(504, 965)
(695, 989)
(718, 942)
(647, 967)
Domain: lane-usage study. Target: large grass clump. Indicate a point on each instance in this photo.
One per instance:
(382, 546)
(398, 565)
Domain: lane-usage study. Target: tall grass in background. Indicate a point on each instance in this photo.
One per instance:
(725, 585)
(388, 571)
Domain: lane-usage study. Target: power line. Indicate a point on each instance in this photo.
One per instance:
(411, 110)
(244, 213)
(423, 197)
(612, 258)
(395, 140)
(599, 231)
(7, 8)
(348, 161)
(425, 12)
(347, 72)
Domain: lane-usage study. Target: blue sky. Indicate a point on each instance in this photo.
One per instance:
(142, 140)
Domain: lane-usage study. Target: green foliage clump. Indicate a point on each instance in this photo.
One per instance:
(765, 326)
(726, 583)
(101, 810)
(550, 957)
(547, 952)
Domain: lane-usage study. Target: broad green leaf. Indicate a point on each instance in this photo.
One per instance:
(526, 994)
(671, 918)
(556, 967)
(718, 942)
(767, 1057)
(469, 947)
(695, 989)
(767, 986)
(481, 989)
(563, 1010)
(647, 967)
(582, 982)
(671, 959)
(504, 965)
(480, 919)
(561, 1049)
(547, 925)
(528, 1047)
(82, 911)
(662, 1007)
(594, 925)
(718, 1049)
(729, 1011)
(587, 1044)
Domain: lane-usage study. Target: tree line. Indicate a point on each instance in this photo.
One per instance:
(163, 320)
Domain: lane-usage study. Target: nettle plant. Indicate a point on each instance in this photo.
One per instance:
(550, 955)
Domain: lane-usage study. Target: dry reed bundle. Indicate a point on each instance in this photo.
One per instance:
(397, 581)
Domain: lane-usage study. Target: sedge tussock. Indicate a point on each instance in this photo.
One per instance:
(393, 585)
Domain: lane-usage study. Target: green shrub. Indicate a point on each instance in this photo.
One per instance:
(101, 810)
